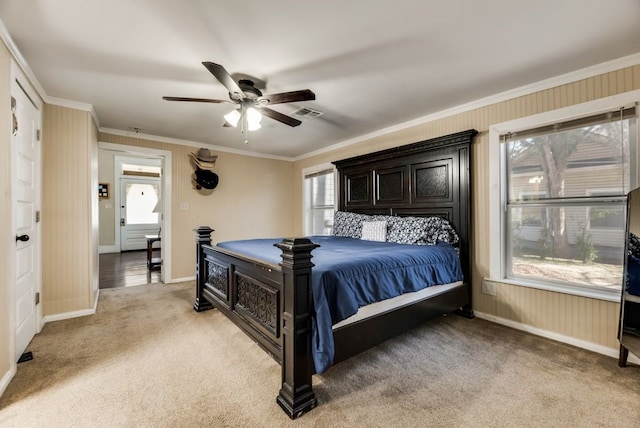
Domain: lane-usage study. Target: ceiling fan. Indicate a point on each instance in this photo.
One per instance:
(250, 100)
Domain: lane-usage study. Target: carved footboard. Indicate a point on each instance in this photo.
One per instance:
(271, 303)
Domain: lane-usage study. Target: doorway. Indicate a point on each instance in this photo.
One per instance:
(139, 215)
(139, 182)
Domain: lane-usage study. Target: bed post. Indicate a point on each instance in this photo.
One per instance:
(296, 395)
(203, 237)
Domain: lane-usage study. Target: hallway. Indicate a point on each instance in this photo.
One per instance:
(126, 269)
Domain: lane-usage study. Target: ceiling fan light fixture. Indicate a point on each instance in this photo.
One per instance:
(233, 117)
(253, 119)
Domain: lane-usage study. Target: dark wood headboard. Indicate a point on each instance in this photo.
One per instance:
(427, 178)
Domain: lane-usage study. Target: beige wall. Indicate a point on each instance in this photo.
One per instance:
(581, 318)
(107, 209)
(5, 215)
(252, 199)
(69, 225)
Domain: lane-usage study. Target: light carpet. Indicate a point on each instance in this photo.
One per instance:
(146, 359)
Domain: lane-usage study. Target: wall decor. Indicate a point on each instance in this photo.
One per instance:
(103, 191)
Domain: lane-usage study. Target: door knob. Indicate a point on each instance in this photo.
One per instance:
(23, 238)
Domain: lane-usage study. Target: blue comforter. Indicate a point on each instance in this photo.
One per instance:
(351, 273)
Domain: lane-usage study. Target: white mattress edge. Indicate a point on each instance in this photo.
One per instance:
(397, 302)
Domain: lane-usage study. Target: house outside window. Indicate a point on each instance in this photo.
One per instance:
(557, 229)
(319, 199)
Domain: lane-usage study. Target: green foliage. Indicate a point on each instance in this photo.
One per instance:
(584, 243)
(545, 245)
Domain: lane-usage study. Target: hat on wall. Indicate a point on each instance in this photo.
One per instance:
(207, 179)
(205, 155)
(200, 163)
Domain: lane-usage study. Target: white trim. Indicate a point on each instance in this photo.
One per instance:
(166, 155)
(185, 279)
(68, 315)
(76, 105)
(563, 79)
(21, 61)
(106, 249)
(606, 294)
(74, 314)
(589, 346)
(6, 379)
(496, 192)
(188, 143)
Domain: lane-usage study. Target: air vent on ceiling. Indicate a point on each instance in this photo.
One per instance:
(306, 113)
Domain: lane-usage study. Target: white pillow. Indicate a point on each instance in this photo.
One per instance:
(374, 231)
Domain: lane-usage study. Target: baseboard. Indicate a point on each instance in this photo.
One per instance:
(104, 249)
(4, 382)
(68, 315)
(189, 278)
(590, 346)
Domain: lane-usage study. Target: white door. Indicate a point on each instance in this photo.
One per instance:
(139, 215)
(25, 153)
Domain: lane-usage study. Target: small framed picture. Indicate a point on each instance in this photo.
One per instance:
(103, 190)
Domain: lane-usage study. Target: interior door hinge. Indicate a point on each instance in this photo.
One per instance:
(37, 298)
(37, 216)
(38, 135)
(14, 128)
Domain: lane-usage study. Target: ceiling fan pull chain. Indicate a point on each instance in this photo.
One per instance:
(245, 124)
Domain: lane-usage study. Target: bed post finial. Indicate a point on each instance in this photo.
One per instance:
(203, 237)
(296, 395)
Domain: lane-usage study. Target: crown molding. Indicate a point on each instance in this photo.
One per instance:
(76, 105)
(542, 85)
(26, 69)
(20, 61)
(584, 73)
(188, 143)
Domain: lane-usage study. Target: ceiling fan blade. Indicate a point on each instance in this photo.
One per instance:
(225, 78)
(287, 97)
(287, 120)
(197, 100)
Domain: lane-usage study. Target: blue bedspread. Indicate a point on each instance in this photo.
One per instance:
(351, 273)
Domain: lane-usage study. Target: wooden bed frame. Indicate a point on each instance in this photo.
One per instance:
(273, 303)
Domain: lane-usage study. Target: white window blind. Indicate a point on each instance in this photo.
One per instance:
(320, 202)
(566, 188)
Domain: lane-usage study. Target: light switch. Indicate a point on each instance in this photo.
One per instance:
(184, 206)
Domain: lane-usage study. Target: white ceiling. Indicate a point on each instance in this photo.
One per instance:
(371, 64)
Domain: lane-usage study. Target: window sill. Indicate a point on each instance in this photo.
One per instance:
(606, 294)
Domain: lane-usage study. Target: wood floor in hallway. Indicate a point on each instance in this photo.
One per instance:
(126, 269)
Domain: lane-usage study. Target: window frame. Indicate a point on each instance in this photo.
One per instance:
(498, 248)
(306, 207)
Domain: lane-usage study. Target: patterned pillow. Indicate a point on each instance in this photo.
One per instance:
(405, 230)
(419, 230)
(348, 224)
(374, 231)
(437, 229)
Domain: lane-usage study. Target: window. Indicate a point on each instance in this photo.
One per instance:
(605, 217)
(319, 200)
(557, 228)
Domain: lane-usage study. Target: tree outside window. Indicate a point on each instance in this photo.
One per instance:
(557, 227)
